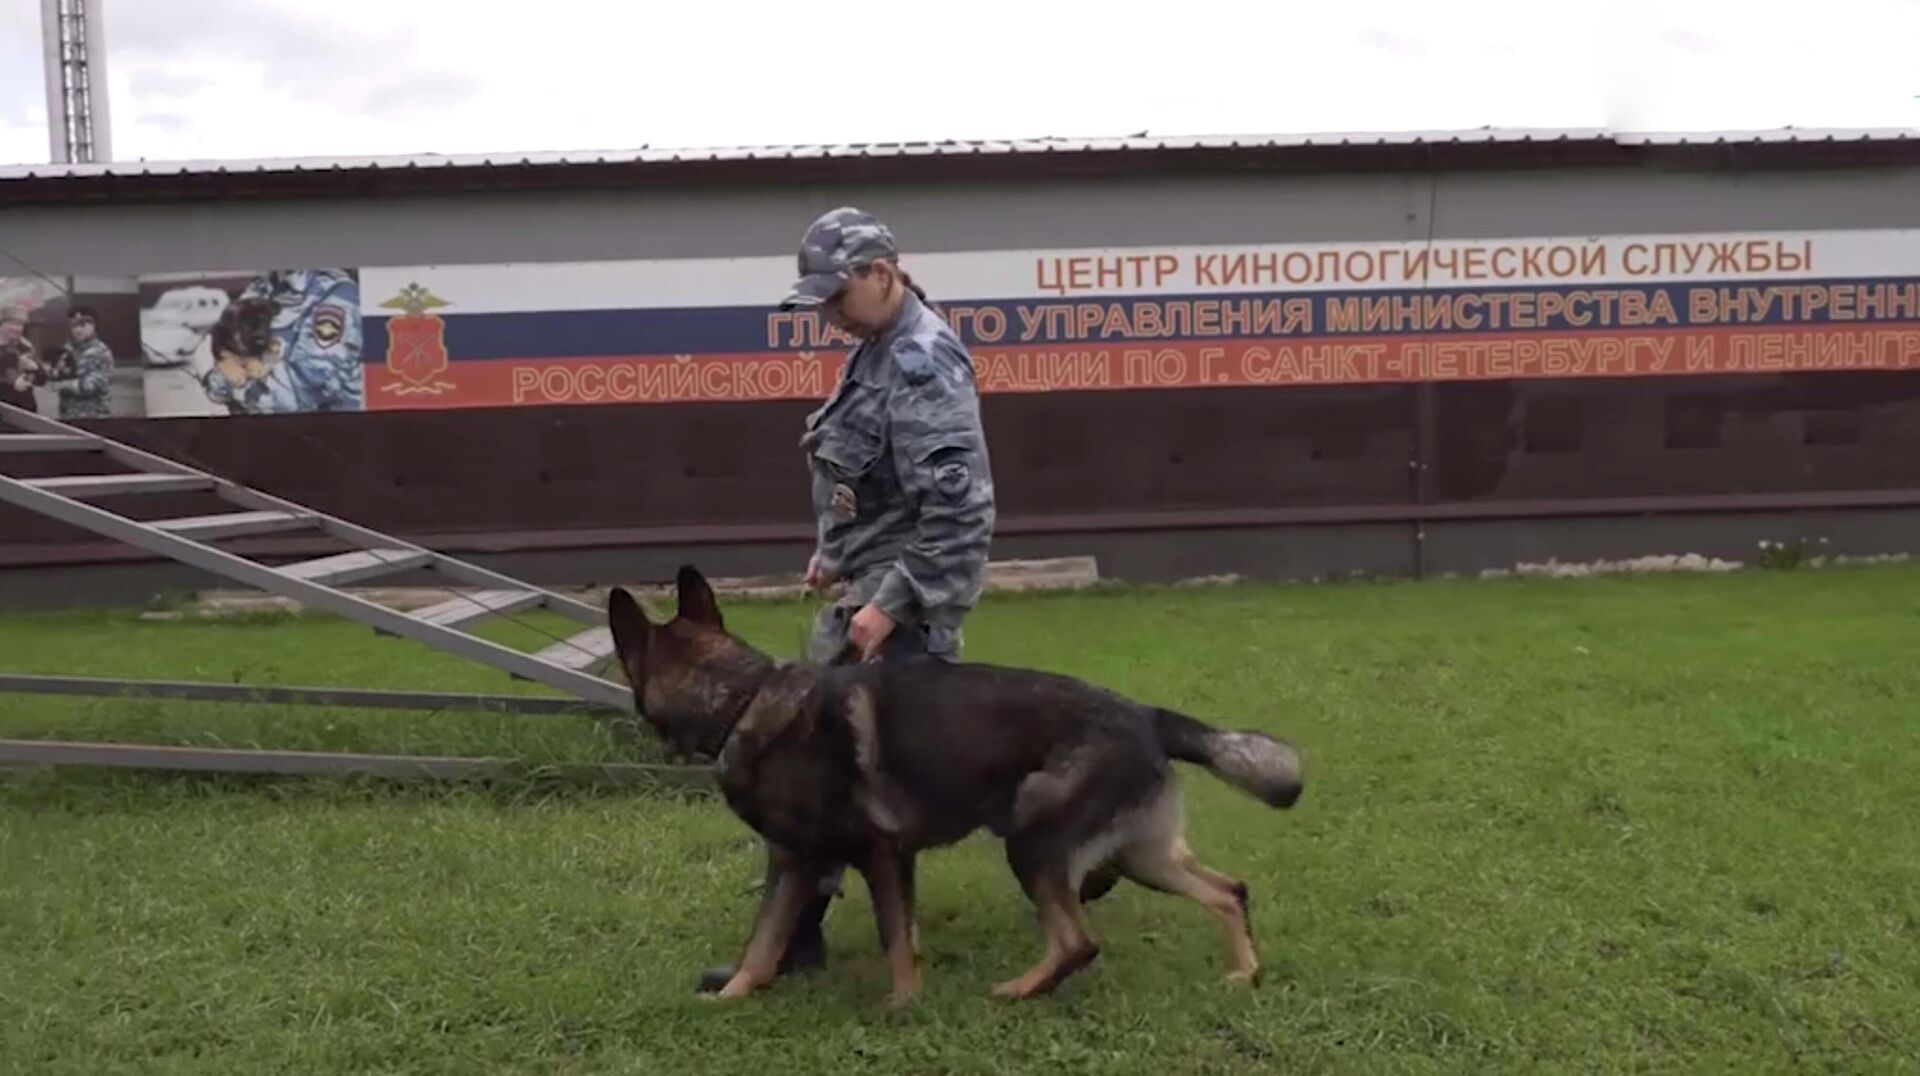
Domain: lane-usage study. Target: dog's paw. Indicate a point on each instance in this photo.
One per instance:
(1013, 990)
(1244, 979)
(905, 990)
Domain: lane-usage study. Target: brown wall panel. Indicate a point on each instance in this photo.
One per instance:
(596, 467)
(1678, 436)
(1060, 455)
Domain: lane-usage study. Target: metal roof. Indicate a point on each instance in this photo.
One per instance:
(1406, 148)
(673, 155)
(1767, 135)
(1132, 143)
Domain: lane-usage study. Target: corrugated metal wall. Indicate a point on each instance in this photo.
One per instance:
(1164, 483)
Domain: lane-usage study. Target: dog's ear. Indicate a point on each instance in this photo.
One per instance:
(631, 628)
(697, 602)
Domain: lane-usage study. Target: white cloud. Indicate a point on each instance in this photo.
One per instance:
(242, 78)
(1737, 64)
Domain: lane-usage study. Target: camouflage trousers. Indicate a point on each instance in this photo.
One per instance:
(84, 407)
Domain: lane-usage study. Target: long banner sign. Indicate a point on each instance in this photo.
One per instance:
(535, 334)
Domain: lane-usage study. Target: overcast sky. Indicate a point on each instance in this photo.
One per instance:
(259, 78)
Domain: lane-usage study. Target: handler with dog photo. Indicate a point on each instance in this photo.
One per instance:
(902, 488)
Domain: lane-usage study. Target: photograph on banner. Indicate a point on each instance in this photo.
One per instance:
(1310, 314)
(69, 348)
(280, 341)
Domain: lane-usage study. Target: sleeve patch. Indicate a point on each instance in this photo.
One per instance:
(952, 478)
(914, 360)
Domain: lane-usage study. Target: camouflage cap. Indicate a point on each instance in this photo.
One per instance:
(836, 244)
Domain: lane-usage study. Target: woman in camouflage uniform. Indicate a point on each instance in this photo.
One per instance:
(903, 494)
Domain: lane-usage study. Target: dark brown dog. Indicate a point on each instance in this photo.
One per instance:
(867, 765)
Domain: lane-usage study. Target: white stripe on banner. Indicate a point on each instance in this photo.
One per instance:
(1175, 270)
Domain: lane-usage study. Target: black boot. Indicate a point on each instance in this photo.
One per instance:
(806, 949)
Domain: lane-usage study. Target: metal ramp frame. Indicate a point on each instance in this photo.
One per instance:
(335, 764)
(566, 665)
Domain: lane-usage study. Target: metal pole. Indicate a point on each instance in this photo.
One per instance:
(74, 62)
(54, 65)
(181, 759)
(98, 114)
(365, 698)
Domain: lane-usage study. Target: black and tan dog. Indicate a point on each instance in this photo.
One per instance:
(867, 765)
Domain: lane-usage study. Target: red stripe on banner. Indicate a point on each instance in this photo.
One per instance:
(545, 382)
(1225, 363)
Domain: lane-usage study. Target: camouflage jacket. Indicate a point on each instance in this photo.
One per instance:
(902, 487)
(83, 377)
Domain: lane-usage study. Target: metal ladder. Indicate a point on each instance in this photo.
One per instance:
(314, 583)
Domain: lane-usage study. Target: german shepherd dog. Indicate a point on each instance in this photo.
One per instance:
(244, 329)
(869, 764)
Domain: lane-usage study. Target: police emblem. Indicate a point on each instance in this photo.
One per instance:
(329, 324)
(845, 504)
(416, 344)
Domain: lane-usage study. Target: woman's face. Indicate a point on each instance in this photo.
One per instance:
(865, 305)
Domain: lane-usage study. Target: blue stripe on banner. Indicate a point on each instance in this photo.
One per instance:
(588, 333)
(1091, 319)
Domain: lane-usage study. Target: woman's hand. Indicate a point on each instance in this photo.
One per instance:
(869, 629)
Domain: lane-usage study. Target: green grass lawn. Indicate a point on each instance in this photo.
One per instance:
(1657, 825)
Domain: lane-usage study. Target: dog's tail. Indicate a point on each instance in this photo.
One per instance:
(1263, 767)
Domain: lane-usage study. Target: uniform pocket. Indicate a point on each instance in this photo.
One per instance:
(848, 453)
(847, 483)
